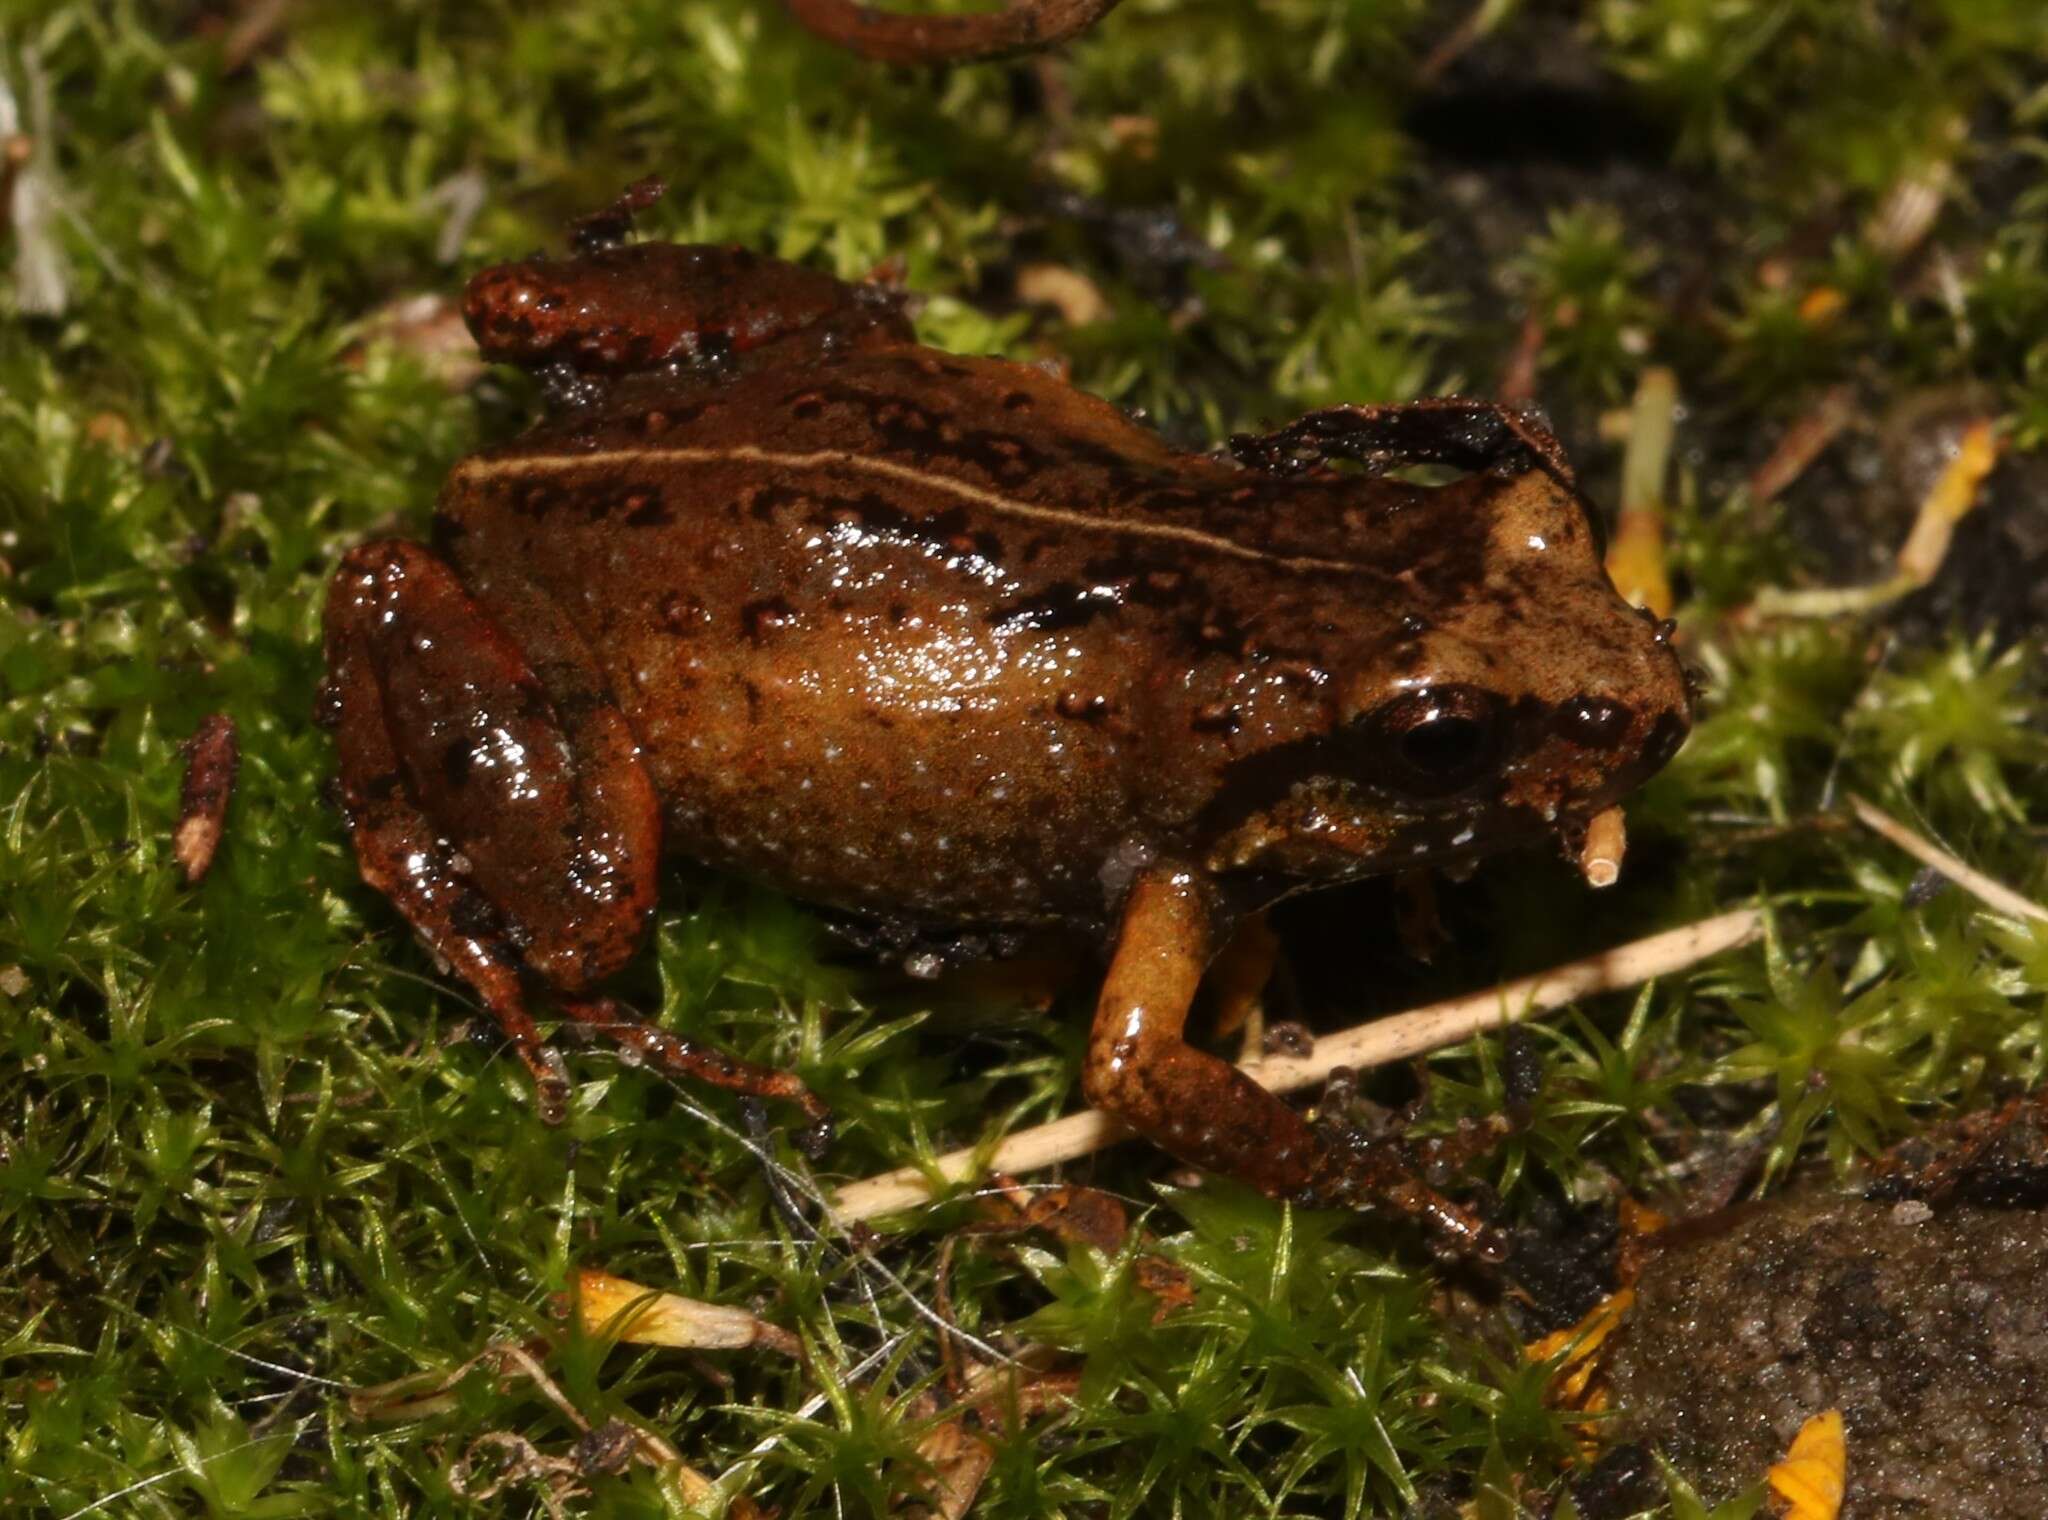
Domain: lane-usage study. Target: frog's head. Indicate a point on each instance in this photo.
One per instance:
(1511, 693)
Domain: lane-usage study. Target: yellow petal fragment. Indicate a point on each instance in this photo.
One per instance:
(1810, 1479)
(1822, 305)
(1577, 1384)
(649, 1317)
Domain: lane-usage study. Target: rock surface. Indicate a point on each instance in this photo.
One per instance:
(1928, 1330)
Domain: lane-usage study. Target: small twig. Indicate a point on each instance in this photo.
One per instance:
(1384, 1040)
(893, 37)
(458, 198)
(1517, 384)
(1993, 893)
(211, 759)
(256, 31)
(1908, 210)
(1600, 855)
(1801, 444)
(1483, 18)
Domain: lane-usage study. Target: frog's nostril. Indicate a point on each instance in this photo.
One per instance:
(1664, 741)
(1592, 722)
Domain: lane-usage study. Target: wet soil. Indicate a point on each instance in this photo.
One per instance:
(1929, 1331)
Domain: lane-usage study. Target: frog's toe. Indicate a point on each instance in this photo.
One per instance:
(1384, 1172)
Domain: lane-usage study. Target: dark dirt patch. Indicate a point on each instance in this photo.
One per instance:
(1928, 1330)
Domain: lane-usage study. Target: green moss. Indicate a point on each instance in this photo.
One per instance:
(246, 1166)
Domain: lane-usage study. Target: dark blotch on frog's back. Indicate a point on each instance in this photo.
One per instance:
(760, 620)
(1084, 707)
(1106, 585)
(536, 496)
(647, 507)
(457, 761)
(912, 429)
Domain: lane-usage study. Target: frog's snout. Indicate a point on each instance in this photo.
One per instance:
(1591, 750)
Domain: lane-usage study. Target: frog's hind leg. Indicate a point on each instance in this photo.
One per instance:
(471, 806)
(386, 601)
(687, 1060)
(1461, 431)
(1141, 1069)
(507, 816)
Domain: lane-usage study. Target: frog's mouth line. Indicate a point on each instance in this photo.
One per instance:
(1310, 840)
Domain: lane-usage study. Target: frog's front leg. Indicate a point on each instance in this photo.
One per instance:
(1140, 1068)
(515, 828)
(1461, 431)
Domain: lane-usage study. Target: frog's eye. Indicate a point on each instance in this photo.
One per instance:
(1439, 740)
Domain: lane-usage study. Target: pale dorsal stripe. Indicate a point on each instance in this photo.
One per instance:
(823, 459)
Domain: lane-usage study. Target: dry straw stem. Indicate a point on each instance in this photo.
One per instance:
(1951, 498)
(1635, 557)
(1985, 889)
(1393, 1038)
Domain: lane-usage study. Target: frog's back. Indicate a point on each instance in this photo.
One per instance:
(906, 631)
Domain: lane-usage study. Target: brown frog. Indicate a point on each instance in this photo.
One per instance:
(945, 642)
